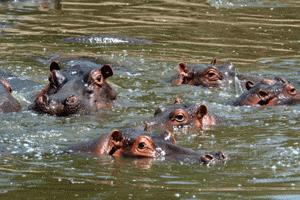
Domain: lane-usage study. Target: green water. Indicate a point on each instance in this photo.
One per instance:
(262, 144)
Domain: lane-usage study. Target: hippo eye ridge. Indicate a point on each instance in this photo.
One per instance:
(141, 145)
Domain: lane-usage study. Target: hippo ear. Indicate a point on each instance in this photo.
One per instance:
(157, 111)
(106, 71)
(115, 141)
(6, 85)
(213, 61)
(183, 72)
(146, 126)
(249, 85)
(202, 111)
(116, 136)
(178, 100)
(182, 69)
(54, 66)
(56, 77)
(168, 136)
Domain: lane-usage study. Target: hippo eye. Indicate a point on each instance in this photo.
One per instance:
(212, 75)
(262, 93)
(141, 145)
(179, 118)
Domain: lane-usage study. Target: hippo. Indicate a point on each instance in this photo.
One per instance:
(212, 75)
(179, 115)
(74, 90)
(140, 144)
(7, 102)
(268, 92)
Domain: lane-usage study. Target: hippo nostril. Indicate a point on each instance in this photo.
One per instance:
(263, 93)
(278, 78)
(206, 158)
(292, 91)
(42, 99)
(221, 156)
(71, 100)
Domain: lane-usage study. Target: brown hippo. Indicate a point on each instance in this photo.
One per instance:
(78, 89)
(140, 144)
(268, 92)
(212, 75)
(7, 102)
(180, 115)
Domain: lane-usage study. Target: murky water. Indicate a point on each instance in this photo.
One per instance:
(259, 37)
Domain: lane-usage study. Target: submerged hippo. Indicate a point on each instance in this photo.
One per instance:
(212, 75)
(78, 89)
(181, 115)
(268, 92)
(7, 102)
(140, 144)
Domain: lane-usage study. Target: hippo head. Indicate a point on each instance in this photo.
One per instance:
(69, 94)
(181, 115)
(123, 143)
(144, 145)
(208, 76)
(7, 102)
(161, 148)
(268, 92)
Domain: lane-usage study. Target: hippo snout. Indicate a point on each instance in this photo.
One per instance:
(69, 105)
(212, 158)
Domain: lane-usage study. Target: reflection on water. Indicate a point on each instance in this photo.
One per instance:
(41, 5)
(259, 37)
(252, 3)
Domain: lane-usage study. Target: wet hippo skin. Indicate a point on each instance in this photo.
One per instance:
(179, 115)
(77, 89)
(268, 92)
(211, 75)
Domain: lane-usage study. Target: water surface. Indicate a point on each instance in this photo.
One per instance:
(259, 37)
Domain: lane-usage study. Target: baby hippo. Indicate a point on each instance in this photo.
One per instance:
(7, 102)
(212, 75)
(268, 92)
(181, 115)
(78, 89)
(140, 144)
